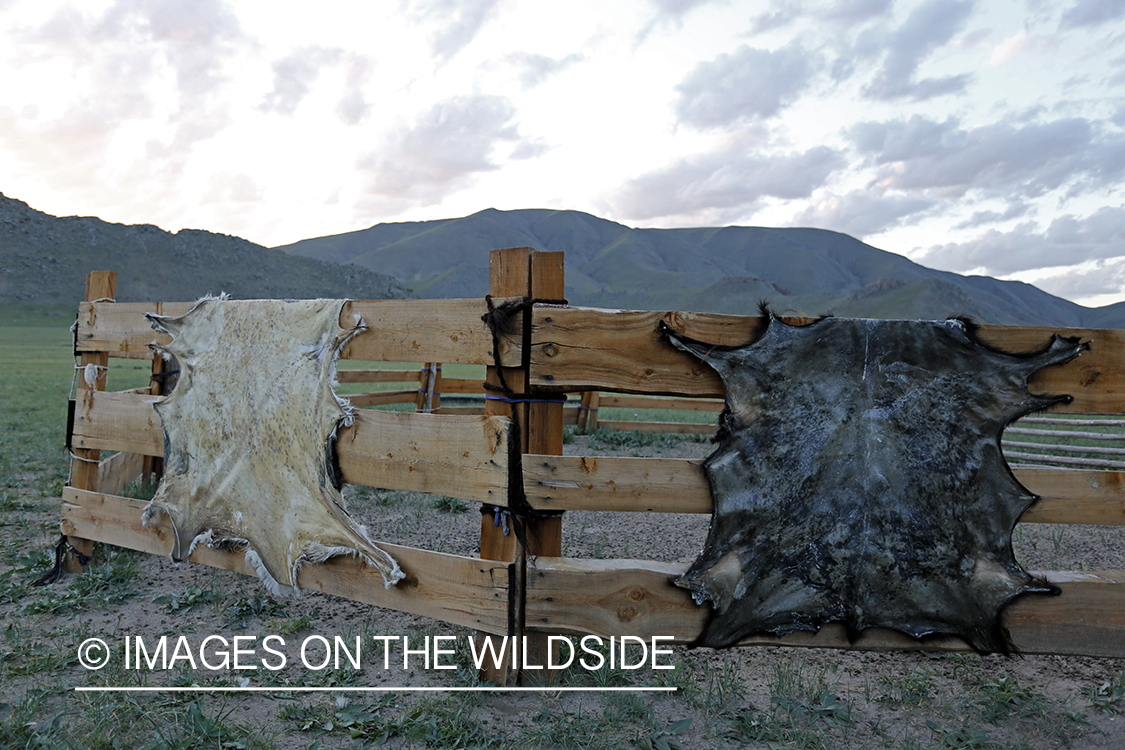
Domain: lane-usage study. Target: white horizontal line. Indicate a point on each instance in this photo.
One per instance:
(286, 689)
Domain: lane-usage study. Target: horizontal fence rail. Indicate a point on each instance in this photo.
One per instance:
(397, 330)
(617, 359)
(459, 456)
(676, 485)
(461, 590)
(577, 349)
(632, 597)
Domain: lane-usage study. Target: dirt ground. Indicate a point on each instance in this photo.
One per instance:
(758, 697)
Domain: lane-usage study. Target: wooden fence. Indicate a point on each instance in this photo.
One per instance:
(1099, 441)
(551, 350)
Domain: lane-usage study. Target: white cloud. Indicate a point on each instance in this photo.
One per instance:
(729, 181)
(1067, 241)
(441, 152)
(1021, 44)
(294, 75)
(1016, 210)
(841, 14)
(929, 26)
(1025, 160)
(458, 22)
(536, 68)
(859, 213)
(742, 86)
(1092, 13)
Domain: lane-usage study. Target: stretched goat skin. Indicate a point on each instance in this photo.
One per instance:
(859, 479)
(248, 435)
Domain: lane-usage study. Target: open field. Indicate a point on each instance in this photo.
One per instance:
(759, 698)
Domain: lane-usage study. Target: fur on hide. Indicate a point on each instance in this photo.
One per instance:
(859, 479)
(249, 435)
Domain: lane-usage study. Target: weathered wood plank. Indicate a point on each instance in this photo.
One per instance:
(121, 328)
(578, 348)
(378, 398)
(119, 471)
(671, 428)
(630, 597)
(461, 590)
(458, 456)
(84, 461)
(397, 330)
(376, 376)
(675, 485)
(644, 402)
(424, 330)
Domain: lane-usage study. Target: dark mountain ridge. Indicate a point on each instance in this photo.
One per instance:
(709, 269)
(44, 260)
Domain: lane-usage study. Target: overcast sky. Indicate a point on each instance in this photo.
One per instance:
(977, 136)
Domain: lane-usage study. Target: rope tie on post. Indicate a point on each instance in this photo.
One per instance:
(55, 573)
(498, 319)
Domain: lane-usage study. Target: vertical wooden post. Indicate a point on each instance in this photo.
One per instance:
(100, 285)
(429, 384)
(588, 412)
(153, 466)
(523, 272)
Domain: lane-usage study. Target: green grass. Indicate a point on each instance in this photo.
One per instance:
(949, 702)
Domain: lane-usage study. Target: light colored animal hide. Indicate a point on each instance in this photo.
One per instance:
(248, 437)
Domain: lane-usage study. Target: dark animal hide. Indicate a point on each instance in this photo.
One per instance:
(859, 479)
(249, 435)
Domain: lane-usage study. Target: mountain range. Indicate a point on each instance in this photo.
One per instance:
(44, 260)
(715, 269)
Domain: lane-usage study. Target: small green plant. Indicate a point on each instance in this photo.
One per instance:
(1109, 697)
(666, 739)
(724, 685)
(107, 581)
(450, 505)
(289, 625)
(908, 690)
(1003, 697)
(960, 738)
(238, 613)
(827, 707)
(189, 598)
(433, 723)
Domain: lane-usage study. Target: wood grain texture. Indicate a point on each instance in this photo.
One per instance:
(457, 456)
(397, 330)
(423, 330)
(630, 597)
(576, 348)
(461, 590)
(119, 471)
(676, 485)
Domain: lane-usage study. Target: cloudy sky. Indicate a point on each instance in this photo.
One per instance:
(977, 136)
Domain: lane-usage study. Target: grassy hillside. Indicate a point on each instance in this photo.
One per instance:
(710, 269)
(44, 261)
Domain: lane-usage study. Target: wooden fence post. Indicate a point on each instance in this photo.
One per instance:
(429, 388)
(523, 272)
(152, 467)
(100, 285)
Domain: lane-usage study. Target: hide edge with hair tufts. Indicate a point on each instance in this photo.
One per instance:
(249, 435)
(859, 479)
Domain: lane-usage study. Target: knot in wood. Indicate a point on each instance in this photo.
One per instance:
(635, 594)
(626, 613)
(675, 321)
(550, 350)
